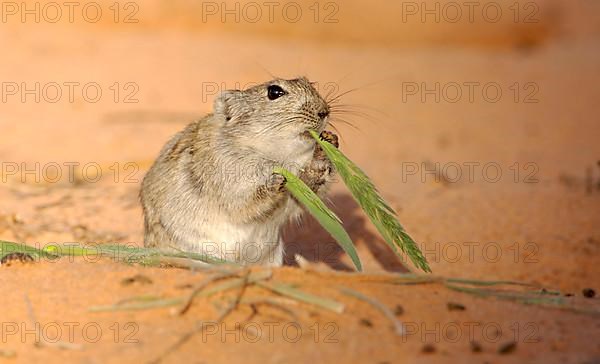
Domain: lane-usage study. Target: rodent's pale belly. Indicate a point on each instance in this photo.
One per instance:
(253, 242)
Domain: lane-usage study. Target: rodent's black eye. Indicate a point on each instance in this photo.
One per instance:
(275, 92)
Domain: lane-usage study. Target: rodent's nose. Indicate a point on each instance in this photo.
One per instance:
(323, 114)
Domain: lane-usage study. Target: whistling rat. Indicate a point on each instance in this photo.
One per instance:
(212, 189)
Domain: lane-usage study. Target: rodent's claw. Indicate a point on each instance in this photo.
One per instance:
(330, 137)
(276, 183)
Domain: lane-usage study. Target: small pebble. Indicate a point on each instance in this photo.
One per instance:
(589, 293)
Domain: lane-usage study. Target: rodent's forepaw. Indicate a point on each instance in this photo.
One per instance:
(318, 173)
(330, 137)
(323, 168)
(276, 182)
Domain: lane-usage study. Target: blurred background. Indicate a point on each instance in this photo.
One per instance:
(478, 121)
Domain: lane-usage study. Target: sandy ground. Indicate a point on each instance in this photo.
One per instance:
(483, 136)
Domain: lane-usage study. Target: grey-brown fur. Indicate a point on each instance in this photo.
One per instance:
(212, 189)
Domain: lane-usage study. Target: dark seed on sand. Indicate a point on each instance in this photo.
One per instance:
(475, 347)
(136, 278)
(589, 293)
(398, 310)
(428, 349)
(366, 322)
(11, 258)
(507, 348)
(455, 306)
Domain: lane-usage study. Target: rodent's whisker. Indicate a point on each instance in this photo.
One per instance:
(345, 111)
(354, 113)
(336, 129)
(337, 97)
(330, 93)
(354, 107)
(343, 121)
(357, 110)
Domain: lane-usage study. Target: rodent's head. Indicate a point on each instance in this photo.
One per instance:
(275, 109)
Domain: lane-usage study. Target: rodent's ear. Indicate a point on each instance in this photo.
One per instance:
(223, 102)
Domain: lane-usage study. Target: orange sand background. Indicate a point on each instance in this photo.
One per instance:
(538, 223)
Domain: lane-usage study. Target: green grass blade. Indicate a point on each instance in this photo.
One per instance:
(476, 282)
(378, 211)
(398, 327)
(321, 212)
(7, 248)
(144, 304)
(122, 253)
(299, 295)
